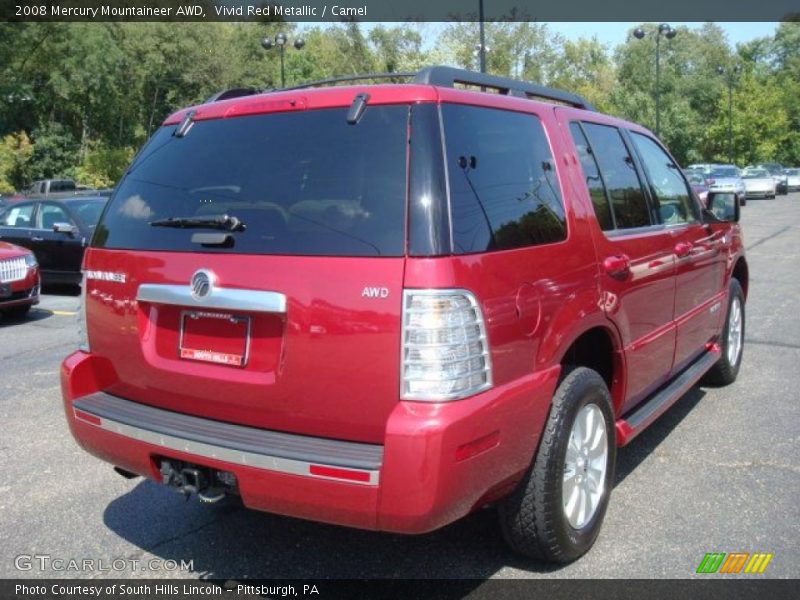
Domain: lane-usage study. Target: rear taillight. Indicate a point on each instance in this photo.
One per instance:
(445, 348)
(83, 337)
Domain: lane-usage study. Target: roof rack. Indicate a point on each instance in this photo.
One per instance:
(450, 77)
(442, 77)
(232, 93)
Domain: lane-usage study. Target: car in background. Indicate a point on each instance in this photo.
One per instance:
(758, 183)
(776, 170)
(56, 230)
(19, 280)
(726, 178)
(698, 183)
(792, 180)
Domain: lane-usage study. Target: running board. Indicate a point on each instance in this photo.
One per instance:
(631, 425)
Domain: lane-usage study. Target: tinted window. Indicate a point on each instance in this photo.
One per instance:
(724, 172)
(302, 182)
(503, 186)
(50, 214)
(594, 182)
(619, 174)
(20, 215)
(62, 186)
(675, 204)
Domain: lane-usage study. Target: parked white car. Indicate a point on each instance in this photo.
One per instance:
(793, 179)
(758, 183)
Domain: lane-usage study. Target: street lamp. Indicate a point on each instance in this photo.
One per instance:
(280, 41)
(669, 32)
(482, 36)
(730, 77)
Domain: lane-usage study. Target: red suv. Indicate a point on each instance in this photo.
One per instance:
(385, 306)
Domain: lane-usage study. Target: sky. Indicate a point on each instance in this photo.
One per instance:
(614, 33)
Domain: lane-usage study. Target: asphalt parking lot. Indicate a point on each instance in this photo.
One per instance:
(720, 472)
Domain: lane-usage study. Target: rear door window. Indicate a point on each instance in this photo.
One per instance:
(594, 181)
(504, 190)
(303, 183)
(624, 189)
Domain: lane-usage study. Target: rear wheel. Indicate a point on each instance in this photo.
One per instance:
(726, 369)
(556, 512)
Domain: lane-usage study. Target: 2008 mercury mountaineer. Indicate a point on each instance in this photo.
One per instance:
(388, 305)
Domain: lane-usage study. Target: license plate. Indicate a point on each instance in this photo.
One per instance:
(219, 338)
(5, 290)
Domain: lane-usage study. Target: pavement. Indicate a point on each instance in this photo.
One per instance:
(720, 472)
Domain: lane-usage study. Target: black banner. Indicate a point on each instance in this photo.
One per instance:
(516, 589)
(396, 10)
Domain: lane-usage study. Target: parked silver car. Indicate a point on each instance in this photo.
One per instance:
(759, 183)
(792, 180)
(725, 178)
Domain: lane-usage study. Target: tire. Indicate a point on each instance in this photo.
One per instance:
(726, 369)
(534, 518)
(743, 201)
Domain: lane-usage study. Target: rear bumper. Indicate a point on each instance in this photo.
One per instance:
(438, 461)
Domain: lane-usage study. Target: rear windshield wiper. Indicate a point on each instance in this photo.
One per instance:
(224, 222)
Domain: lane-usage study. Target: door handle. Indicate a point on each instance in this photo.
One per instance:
(683, 249)
(618, 267)
(37, 239)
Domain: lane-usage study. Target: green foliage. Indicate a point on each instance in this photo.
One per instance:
(54, 152)
(15, 150)
(103, 165)
(76, 98)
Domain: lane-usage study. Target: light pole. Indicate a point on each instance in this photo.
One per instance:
(731, 75)
(280, 41)
(668, 32)
(482, 47)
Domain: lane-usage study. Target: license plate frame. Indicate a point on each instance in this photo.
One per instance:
(212, 355)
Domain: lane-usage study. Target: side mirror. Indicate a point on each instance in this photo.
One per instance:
(724, 206)
(64, 228)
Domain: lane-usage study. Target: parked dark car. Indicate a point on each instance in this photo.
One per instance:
(57, 231)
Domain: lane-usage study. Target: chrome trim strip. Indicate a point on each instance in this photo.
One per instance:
(248, 459)
(221, 298)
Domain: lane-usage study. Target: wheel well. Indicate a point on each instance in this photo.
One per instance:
(594, 349)
(741, 274)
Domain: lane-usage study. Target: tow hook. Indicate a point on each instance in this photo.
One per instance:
(210, 485)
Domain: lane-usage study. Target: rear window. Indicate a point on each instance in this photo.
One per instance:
(725, 172)
(303, 183)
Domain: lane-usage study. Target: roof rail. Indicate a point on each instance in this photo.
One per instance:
(450, 76)
(439, 76)
(232, 93)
